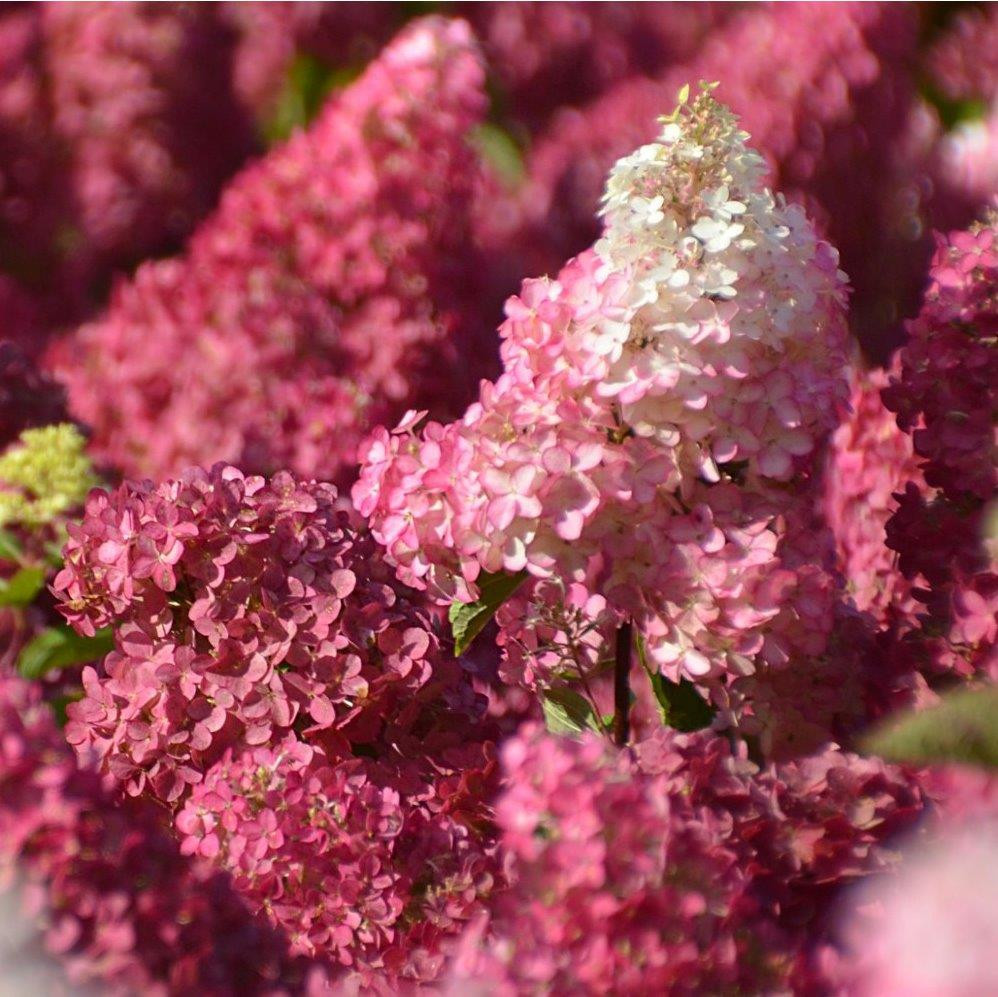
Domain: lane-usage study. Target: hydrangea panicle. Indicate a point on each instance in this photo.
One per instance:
(682, 869)
(117, 903)
(243, 609)
(274, 324)
(657, 400)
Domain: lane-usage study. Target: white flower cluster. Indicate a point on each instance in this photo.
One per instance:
(737, 323)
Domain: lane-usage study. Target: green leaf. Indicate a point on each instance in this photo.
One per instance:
(10, 549)
(498, 148)
(61, 646)
(22, 587)
(467, 619)
(566, 712)
(308, 83)
(962, 728)
(679, 704)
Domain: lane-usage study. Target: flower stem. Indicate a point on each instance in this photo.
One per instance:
(622, 686)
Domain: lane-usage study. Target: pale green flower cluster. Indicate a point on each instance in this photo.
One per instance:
(44, 474)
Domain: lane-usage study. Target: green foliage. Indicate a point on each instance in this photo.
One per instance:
(568, 713)
(59, 647)
(953, 112)
(10, 548)
(962, 728)
(46, 473)
(22, 587)
(308, 83)
(499, 149)
(468, 618)
(680, 706)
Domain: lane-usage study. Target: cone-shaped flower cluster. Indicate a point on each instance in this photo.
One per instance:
(827, 93)
(119, 126)
(143, 99)
(661, 405)
(684, 872)
(332, 288)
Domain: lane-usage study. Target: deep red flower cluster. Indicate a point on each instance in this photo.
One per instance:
(108, 886)
(684, 871)
(945, 394)
(119, 127)
(271, 329)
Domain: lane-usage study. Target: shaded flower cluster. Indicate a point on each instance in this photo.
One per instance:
(547, 55)
(142, 98)
(685, 871)
(944, 394)
(28, 398)
(655, 402)
(962, 60)
(119, 126)
(271, 329)
(355, 863)
(108, 887)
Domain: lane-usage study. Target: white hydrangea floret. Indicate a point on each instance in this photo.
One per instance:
(738, 306)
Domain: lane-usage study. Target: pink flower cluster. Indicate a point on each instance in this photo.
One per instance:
(685, 871)
(945, 395)
(108, 887)
(931, 929)
(656, 400)
(870, 459)
(242, 609)
(277, 689)
(355, 863)
(270, 332)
